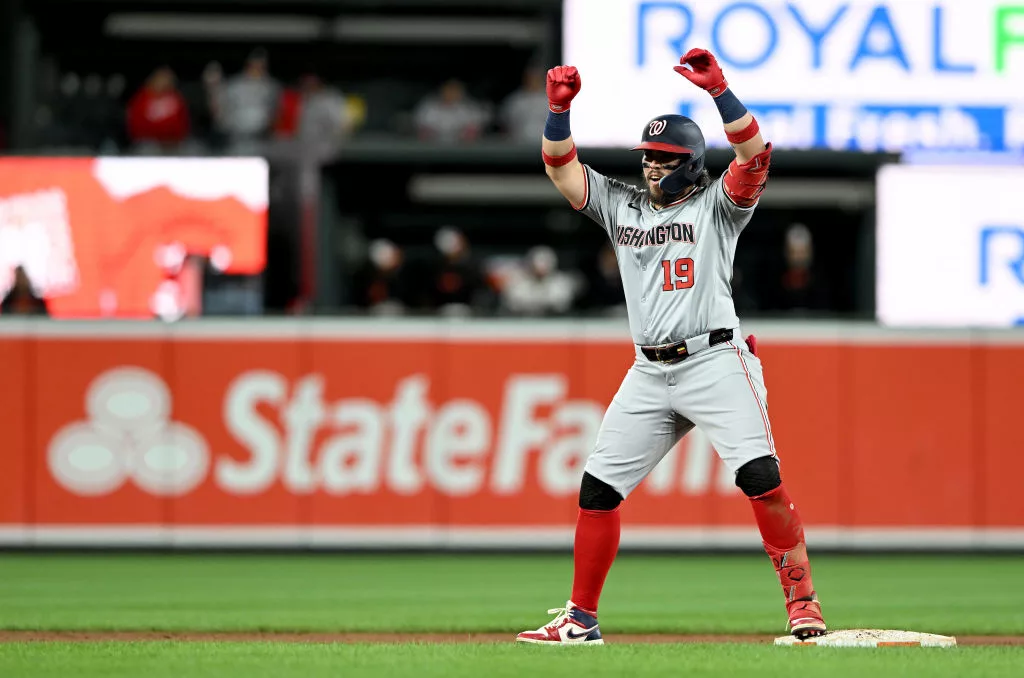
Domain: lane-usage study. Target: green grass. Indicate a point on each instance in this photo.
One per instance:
(274, 660)
(323, 592)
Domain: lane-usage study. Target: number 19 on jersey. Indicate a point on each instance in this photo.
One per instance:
(683, 274)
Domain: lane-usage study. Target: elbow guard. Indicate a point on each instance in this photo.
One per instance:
(744, 183)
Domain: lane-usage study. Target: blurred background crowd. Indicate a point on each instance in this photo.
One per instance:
(403, 142)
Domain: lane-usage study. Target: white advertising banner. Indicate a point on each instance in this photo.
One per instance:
(845, 75)
(950, 246)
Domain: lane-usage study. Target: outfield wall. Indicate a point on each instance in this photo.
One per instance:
(434, 434)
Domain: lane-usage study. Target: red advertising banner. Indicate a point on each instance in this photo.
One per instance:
(107, 237)
(361, 433)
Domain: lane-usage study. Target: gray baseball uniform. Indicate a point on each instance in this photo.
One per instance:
(676, 268)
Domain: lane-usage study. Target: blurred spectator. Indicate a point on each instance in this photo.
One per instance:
(604, 287)
(22, 299)
(80, 115)
(450, 115)
(456, 281)
(158, 113)
(524, 112)
(382, 285)
(115, 86)
(67, 122)
(539, 288)
(104, 116)
(799, 288)
(245, 106)
(313, 113)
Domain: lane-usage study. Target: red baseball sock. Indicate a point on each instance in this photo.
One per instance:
(597, 542)
(782, 533)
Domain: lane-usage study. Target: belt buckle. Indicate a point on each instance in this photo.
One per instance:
(672, 354)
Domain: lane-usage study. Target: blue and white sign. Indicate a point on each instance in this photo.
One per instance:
(846, 75)
(950, 246)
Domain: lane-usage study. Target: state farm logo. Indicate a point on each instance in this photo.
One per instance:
(272, 431)
(128, 436)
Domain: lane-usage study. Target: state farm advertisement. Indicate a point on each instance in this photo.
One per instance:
(106, 237)
(324, 437)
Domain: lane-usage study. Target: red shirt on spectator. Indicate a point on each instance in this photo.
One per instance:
(158, 112)
(287, 123)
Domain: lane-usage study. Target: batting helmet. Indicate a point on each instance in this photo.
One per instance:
(676, 134)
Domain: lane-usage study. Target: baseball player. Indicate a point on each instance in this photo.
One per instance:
(675, 240)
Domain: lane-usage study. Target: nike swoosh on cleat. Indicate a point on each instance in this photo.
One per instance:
(576, 636)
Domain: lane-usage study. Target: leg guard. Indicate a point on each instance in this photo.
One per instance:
(782, 534)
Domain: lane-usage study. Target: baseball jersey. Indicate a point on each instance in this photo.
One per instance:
(675, 262)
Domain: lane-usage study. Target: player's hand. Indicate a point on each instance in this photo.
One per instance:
(563, 84)
(705, 73)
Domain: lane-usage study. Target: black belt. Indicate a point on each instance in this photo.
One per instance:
(674, 353)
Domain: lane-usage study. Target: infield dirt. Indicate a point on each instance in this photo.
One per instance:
(250, 637)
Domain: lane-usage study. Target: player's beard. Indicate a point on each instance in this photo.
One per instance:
(660, 198)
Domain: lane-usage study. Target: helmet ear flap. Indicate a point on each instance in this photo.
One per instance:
(684, 177)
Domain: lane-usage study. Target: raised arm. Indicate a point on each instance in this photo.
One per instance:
(748, 173)
(557, 147)
(740, 127)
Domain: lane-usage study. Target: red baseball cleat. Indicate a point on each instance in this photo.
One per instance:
(571, 626)
(805, 620)
(802, 606)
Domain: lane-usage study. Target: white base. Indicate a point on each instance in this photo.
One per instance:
(871, 638)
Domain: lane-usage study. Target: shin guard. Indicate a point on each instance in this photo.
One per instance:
(782, 534)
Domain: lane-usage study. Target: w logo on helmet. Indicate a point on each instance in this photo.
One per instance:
(656, 127)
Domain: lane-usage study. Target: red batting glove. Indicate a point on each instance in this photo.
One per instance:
(563, 84)
(751, 342)
(706, 73)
